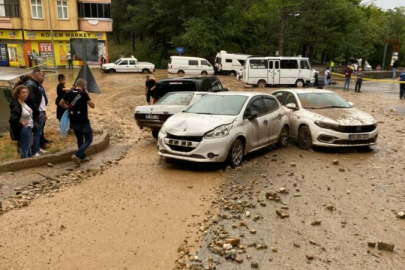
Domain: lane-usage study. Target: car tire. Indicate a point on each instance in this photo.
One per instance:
(204, 73)
(261, 84)
(155, 133)
(232, 73)
(111, 70)
(235, 155)
(284, 136)
(180, 72)
(299, 83)
(145, 70)
(304, 138)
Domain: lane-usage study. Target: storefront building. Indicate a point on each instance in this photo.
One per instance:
(25, 28)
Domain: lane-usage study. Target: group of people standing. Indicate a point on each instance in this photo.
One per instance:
(28, 114)
(348, 76)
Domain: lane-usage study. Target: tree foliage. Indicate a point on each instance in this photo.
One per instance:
(328, 29)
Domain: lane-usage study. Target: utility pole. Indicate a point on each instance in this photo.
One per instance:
(50, 24)
(386, 44)
(282, 31)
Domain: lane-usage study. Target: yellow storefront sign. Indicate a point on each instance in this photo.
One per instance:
(10, 34)
(62, 35)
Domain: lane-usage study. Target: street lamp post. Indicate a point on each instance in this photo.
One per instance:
(284, 16)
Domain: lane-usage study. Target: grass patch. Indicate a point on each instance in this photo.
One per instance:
(8, 148)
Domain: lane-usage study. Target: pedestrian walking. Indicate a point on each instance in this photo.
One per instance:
(37, 99)
(394, 69)
(77, 102)
(61, 90)
(348, 76)
(326, 77)
(70, 61)
(21, 120)
(359, 80)
(402, 85)
(332, 65)
(30, 59)
(35, 57)
(150, 86)
(378, 68)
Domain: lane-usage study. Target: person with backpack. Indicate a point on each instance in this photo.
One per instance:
(327, 77)
(77, 102)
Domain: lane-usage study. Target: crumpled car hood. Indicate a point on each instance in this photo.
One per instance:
(190, 124)
(343, 117)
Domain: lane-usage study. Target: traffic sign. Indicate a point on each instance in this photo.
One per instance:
(180, 50)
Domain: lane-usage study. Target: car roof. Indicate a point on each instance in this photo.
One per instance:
(241, 93)
(187, 79)
(305, 90)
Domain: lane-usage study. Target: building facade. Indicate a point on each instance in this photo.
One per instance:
(26, 26)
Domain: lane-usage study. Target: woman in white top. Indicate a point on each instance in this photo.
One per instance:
(21, 120)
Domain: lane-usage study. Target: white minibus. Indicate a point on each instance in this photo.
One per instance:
(262, 71)
(189, 65)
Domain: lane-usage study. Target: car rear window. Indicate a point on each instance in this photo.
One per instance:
(175, 98)
(173, 86)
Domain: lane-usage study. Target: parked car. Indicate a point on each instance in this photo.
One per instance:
(224, 127)
(229, 63)
(201, 84)
(189, 65)
(357, 62)
(153, 116)
(129, 64)
(323, 118)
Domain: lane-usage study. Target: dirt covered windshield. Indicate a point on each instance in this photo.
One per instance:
(322, 101)
(218, 105)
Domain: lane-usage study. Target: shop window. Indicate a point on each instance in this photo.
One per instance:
(9, 8)
(93, 10)
(62, 9)
(36, 9)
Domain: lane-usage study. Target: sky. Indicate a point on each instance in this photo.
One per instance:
(387, 4)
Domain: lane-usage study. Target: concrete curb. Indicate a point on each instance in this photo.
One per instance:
(97, 146)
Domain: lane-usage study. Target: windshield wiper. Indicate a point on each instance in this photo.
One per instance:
(328, 107)
(311, 108)
(203, 113)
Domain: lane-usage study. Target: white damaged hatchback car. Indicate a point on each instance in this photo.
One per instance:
(323, 118)
(224, 127)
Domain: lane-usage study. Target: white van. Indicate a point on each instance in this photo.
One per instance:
(262, 71)
(189, 65)
(229, 63)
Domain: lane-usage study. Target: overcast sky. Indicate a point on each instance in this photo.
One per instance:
(387, 4)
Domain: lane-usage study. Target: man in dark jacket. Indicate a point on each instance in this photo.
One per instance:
(394, 69)
(37, 99)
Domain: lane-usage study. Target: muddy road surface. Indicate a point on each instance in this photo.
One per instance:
(134, 210)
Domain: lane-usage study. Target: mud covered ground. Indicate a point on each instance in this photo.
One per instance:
(142, 212)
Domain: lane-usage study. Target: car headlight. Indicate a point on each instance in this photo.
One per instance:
(326, 125)
(219, 132)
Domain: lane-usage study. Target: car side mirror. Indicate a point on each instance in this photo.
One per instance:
(351, 103)
(292, 106)
(253, 115)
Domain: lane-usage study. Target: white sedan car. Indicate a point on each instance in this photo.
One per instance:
(323, 118)
(153, 116)
(224, 127)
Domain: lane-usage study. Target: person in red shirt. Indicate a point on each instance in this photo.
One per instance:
(348, 76)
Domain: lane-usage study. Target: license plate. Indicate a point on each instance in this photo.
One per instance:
(152, 116)
(358, 136)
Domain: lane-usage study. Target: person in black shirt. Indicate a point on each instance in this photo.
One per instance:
(60, 91)
(76, 101)
(150, 86)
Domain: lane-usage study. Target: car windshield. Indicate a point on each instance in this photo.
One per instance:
(218, 105)
(116, 62)
(322, 101)
(175, 99)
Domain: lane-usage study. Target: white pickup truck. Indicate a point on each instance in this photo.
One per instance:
(128, 65)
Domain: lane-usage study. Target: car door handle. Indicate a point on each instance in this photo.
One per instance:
(265, 122)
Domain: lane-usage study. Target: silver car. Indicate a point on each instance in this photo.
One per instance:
(323, 118)
(224, 127)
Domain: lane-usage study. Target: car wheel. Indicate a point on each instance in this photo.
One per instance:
(235, 155)
(145, 70)
(261, 84)
(232, 73)
(299, 83)
(111, 70)
(180, 72)
(204, 73)
(304, 138)
(155, 133)
(283, 138)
